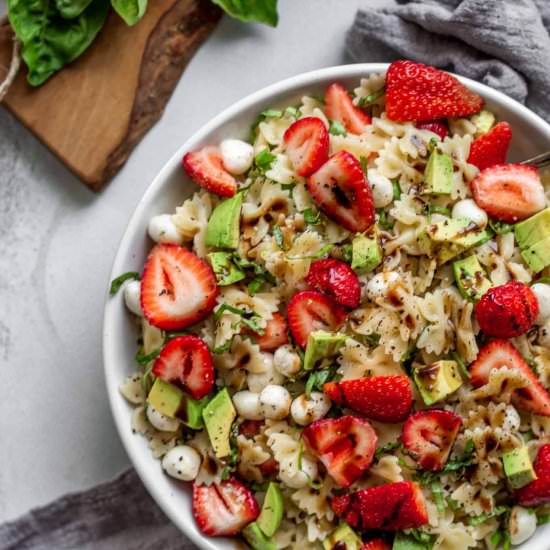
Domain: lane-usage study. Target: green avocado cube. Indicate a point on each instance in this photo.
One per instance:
(256, 538)
(192, 412)
(438, 176)
(518, 467)
(470, 278)
(533, 229)
(343, 537)
(218, 416)
(484, 121)
(223, 226)
(271, 514)
(438, 380)
(366, 252)
(407, 542)
(537, 256)
(322, 345)
(166, 398)
(225, 270)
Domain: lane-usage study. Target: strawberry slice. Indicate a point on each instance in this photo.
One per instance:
(376, 544)
(337, 280)
(538, 491)
(429, 436)
(389, 507)
(341, 190)
(501, 353)
(438, 127)
(415, 91)
(340, 107)
(310, 310)
(307, 145)
(382, 398)
(509, 192)
(185, 361)
(250, 428)
(491, 148)
(177, 287)
(206, 168)
(223, 509)
(275, 334)
(344, 445)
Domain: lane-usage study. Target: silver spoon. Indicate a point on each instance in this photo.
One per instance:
(540, 161)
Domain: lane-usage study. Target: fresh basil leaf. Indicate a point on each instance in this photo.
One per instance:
(368, 100)
(371, 339)
(131, 11)
(264, 159)
(482, 518)
(143, 359)
(496, 538)
(421, 536)
(396, 189)
(292, 112)
(545, 280)
(383, 220)
(316, 380)
(347, 253)
(435, 209)
(336, 128)
(227, 307)
(364, 162)
(288, 187)
(461, 365)
(69, 9)
(437, 492)
(543, 518)
(121, 279)
(311, 217)
(225, 347)
(272, 113)
(253, 326)
(261, 11)
(278, 236)
(256, 284)
(500, 228)
(387, 448)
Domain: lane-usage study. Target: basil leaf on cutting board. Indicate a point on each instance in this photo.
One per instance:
(261, 11)
(130, 10)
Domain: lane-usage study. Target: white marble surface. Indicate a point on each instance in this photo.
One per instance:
(57, 242)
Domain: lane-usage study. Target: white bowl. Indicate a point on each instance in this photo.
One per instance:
(171, 187)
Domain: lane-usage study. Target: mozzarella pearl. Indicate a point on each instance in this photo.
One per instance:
(237, 155)
(468, 208)
(247, 404)
(132, 297)
(160, 421)
(522, 524)
(275, 402)
(380, 284)
(542, 293)
(287, 361)
(298, 479)
(258, 381)
(382, 189)
(306, 410)
(182, 462)
(163, 230)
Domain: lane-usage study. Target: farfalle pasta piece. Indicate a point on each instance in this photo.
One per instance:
(132, 389)
(387, 469)
(191, 219)
(251, 456)
(211, 470)
(153, 338)
(501, 385)
(474, 500)
(356, 361)
(316, 502)
(245, 356)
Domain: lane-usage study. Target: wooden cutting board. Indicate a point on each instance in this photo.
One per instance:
(93, 112)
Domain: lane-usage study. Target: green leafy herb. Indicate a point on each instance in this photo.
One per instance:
(396, 189)
(421, 536)
(319, 254)
(248, 318)
(368, 100)
(461, 365)
(543, 518)
(144, 359)
(383, 220)
(225, 347)
(272, 113)
(347, 253)
(482, 518)
(437, 492)
(264, 159)
(528, 435)
(256, 284)
(316, 380)
(131, 11)
(387, 448)
(311, 217)
(532, 363)
(227, 307)
(171, 335)
(292, 112)
(336, 128)
(496, 538)
(500, 228)
(278, 236)
(407, 358)
(69, 9)
(371, 339)
(288, 187)
(436, 209)
(364, 162)
(261, 11)
(121, 279)
(432, 144)
(253, 325)
(545, 280)
(233, 454)
(147, 379)
(457, 465)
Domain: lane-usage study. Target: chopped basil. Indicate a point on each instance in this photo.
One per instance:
(336, 128)
(226, 307)
(482, 518)
(264, 159)
(456, 465)
(142, 359)
(383, 220)
(371, 339)
(318, 378)
(121, 279)
(293, 112)
(436, 209)
(500, 228)
(171, 335)
(253, 325)
(225, 347)
(545, 280)
(421, 536)
(437, 492)
(288, 187)
(347, 253)
(461, 365)
(396, 189)
(278, 236)
(255, 284)
(311, 217)
(272, 113)
(368, 100)
(364, 161)
(543, 518)
(247, 318)
(388, 447)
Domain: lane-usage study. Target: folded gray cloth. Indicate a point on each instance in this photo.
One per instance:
(502, 43)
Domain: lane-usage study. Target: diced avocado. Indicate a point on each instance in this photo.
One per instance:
(484, 121)
(438, 176)
(533, 229)
(537, 257)
(223, 226)
(470, 278)
(438, 380)
(218, 417)
(257, 540)
(343, 537)
(272, 510)
(166, 398)
(225, 270)
(322, 345)
(518, 467)
(191, 414)
(366, 252)
(408, 542)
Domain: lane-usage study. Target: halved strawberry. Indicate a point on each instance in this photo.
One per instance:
(438, 127)
(538, 491)
(269, 468)
(341, 190)
(509, 192)
(310, 310)
(415, 91)
(206, 168)
(337, 280)
(250, 428)
(275, 334)
(344, 445)
(223, 509)
(501, 353)
(389, 507)
(429, 436)
(376, 544)
(491, 148)
(307, 145)
(340, 107)
(382, 398)
(185, 361)
(177, 287)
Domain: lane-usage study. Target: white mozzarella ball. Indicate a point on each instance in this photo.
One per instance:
(542, 293)
(305, 410)
(237, 155)
(163, 230)
(182, 462)
(247, 404)
(258, 381)
(522, 524)
(160, 421)
(275, 402)
(287, 361)
(381, 283)
(467, 208)
(382, 189)
(132, 297)
(544, 335)
(297, 479)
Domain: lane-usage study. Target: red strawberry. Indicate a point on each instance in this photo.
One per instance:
(419, 92)
(340, 107)
(509, 192)
(501, 353)
(344, 445)
(185, 361)
(177, 287)
(382, 398)
(507, 310)
(223, 509)
(438, 127)
(250, 428)
(310, 310)
(538, 491)
(389, 507)
(275, 334)
(429, 436)
(269, 468)
(491, 148)
(337, 280)
(206, 168)
(307, 145)
(376, 544)
(341, 190)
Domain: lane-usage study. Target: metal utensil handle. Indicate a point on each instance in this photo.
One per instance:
(540, 161)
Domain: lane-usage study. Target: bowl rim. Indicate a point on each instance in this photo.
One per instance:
(357, 70)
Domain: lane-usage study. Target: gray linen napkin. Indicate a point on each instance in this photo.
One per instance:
(503, 43)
